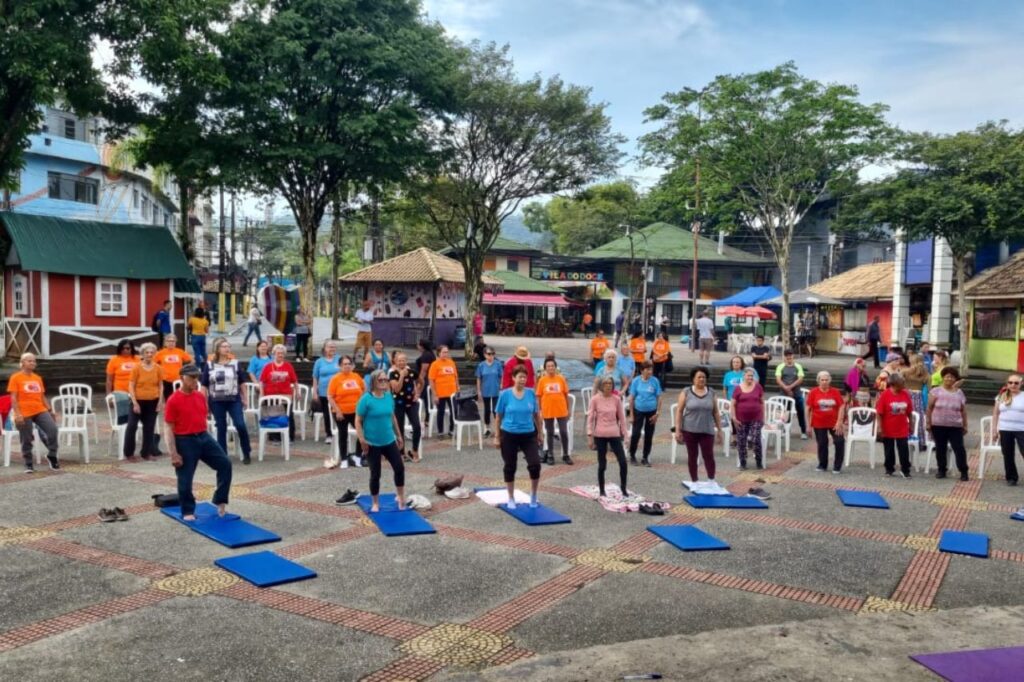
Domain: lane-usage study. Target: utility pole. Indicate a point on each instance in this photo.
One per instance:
(335, 262)
(220, 274)
(696, 226)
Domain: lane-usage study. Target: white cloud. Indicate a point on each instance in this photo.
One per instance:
(462, 18)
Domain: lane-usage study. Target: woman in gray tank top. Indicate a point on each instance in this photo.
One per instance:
(697, 422)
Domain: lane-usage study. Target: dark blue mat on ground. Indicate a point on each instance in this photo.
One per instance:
(230, 531)
(957, 542)
(724, 502)
(688, 538)
(862, 498)
(535, 516)
(265, 569)
(390, 521)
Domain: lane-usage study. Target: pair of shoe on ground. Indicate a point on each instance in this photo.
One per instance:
(52, 461)
(109, 515)
(550, 459)
(645, 462)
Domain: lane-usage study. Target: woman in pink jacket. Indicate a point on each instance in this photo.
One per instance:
(606, 427)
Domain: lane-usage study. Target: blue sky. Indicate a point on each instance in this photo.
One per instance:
(941, 65)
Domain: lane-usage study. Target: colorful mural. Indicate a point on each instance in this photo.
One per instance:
(412, 301)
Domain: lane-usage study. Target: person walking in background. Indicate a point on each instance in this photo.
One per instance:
(478, 325)
(706, 336)
(343, 393)
(644, 406)
(553, 394)
(444, 384)
(30, 410)
(761, 355)
(946, 422)
(598, 346)
(747, 413)
(697, 421)
(488, 385)
(162, 323)
(826, 412)
(517, 426)
(144, 391)
(620, 321)
(588, 320)
(222, 378)
(171, 359)
(789, 375)
(606, 428)
(255, 322)
(364, 330)
(405, 389)
(303, 331)
(874, 335)
(324, 369)
(1008, 422)
(661, 356)
(198, 326)
(893, 408)
(380, 436)
(521, 358)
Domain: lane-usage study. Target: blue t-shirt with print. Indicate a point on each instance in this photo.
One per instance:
(377, 414)
(490, 378)
(517, 413)
(323, 370)
(256, 365)
(645, 394)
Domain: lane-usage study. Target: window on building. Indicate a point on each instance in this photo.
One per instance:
(73, 188)
(995, 323)
(71, 128)
(156, 215)
(135, 198)
(112, 297)
(145, 207)
(512, 265)
(19, 295)
(855, 319)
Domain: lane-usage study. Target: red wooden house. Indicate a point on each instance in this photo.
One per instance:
(73, 289)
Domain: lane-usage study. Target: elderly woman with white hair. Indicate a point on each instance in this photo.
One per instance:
(610, 367)
(144, 389)
(380, 436)
(826, 413)
(278, 378)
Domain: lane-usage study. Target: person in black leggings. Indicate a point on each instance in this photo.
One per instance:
(606, 427)
(407, 402)
(380, 436)
(517, 428)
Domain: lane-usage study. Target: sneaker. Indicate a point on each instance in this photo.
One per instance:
(632, 460)
(646, 462)
(247, 461)
(803, 436)
(759, 493)
(327, 441)
(487, 433)
(349, 462)
(820, 468)
(29, 469)
(348, 498)
(889, 473)
(107, 515)
(963, 476)
(1012, 482)
(837, 471)
(940, 474)
(904, 474)
(568, 460)
(360, 462)
(120, 514)
(54, 463)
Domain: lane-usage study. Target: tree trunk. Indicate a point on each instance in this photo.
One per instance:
(335, 258)
(308, 237)
(184, 225)
(784, 283)
(961, 306)
(473, 269)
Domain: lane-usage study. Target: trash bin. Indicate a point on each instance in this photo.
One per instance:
(459, 339)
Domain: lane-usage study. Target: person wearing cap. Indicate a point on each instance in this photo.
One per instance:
(789, 375)
(190, 443)
(521, 358)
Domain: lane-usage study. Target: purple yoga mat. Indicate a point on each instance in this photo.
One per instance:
(978, 665)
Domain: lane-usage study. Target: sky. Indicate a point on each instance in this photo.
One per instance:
(940, 65)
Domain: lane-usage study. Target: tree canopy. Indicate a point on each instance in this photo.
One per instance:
(593, 217)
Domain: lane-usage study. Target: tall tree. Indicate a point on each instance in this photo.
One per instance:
(593, 217)
(511, 140)
(966, 188)
(766, 146)
(323, 92)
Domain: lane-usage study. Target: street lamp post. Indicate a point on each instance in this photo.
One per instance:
(696, 226)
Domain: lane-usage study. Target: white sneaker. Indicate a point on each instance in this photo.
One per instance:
(327, 441)
(344, 464)
(803, 436)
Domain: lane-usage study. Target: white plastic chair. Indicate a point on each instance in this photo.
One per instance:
(300, 408)
(275, 401)
(920, 445)
(117, 431)
(586, 394)
(176, 385)
(72, 420)
(468, 425)
(863, 429)
(252, 399)
(84, 391)
(569, 425)
(989, 444)
(432, 412)
(787, 415)
(353, 443)
(13, 433)
(725, 416)
(776, 426)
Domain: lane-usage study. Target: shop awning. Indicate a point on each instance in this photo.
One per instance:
(513, 298)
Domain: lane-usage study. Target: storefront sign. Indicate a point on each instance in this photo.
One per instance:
(570, 276)
(852, 343)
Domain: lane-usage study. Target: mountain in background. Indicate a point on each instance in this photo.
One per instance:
(513, 228)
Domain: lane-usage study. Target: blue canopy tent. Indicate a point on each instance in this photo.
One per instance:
(749, 296)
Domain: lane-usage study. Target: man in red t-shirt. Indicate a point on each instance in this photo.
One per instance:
(189, 443)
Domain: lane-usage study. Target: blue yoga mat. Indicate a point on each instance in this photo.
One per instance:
(957, 542)
(230, 531)
(265, 569)
(1017, 516)
(724, 502)
(535, 516)
(861, 498)
(688, 538)
(390, 521)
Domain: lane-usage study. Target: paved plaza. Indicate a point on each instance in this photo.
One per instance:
(142, 599)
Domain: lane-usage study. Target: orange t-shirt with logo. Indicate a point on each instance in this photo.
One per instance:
(121, 367)
(598, 346)
(445, 376)
(28, 391)
(661, 348)
(346, 389)
(147, 382)
(171, 361)
(553, 395)
(638, 347)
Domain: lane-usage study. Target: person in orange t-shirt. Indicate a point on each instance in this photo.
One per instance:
(660, 353)
(144, 389)
(29, 408)
(444, 382)
(588, 320)
(120, 366)
(598, 346)
(343, 393)
(553, 396)
(171, 359)
(638, 348)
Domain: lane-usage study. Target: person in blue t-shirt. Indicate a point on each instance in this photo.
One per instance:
(734, 377)
(325, 367)
(257, 362)
(488, 385)
(162, 321)
(644, 404)
(380, 436)
(517, 427)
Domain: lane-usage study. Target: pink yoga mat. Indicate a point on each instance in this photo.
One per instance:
(978, 665)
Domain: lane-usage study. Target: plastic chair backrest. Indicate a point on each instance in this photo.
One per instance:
(252, 393)
(775, 412)
(276, 400)
(83, 390)
(863, 422)
(301, 398)
(988, 438)
(586, 393)
(111, 410)
(72, 411)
